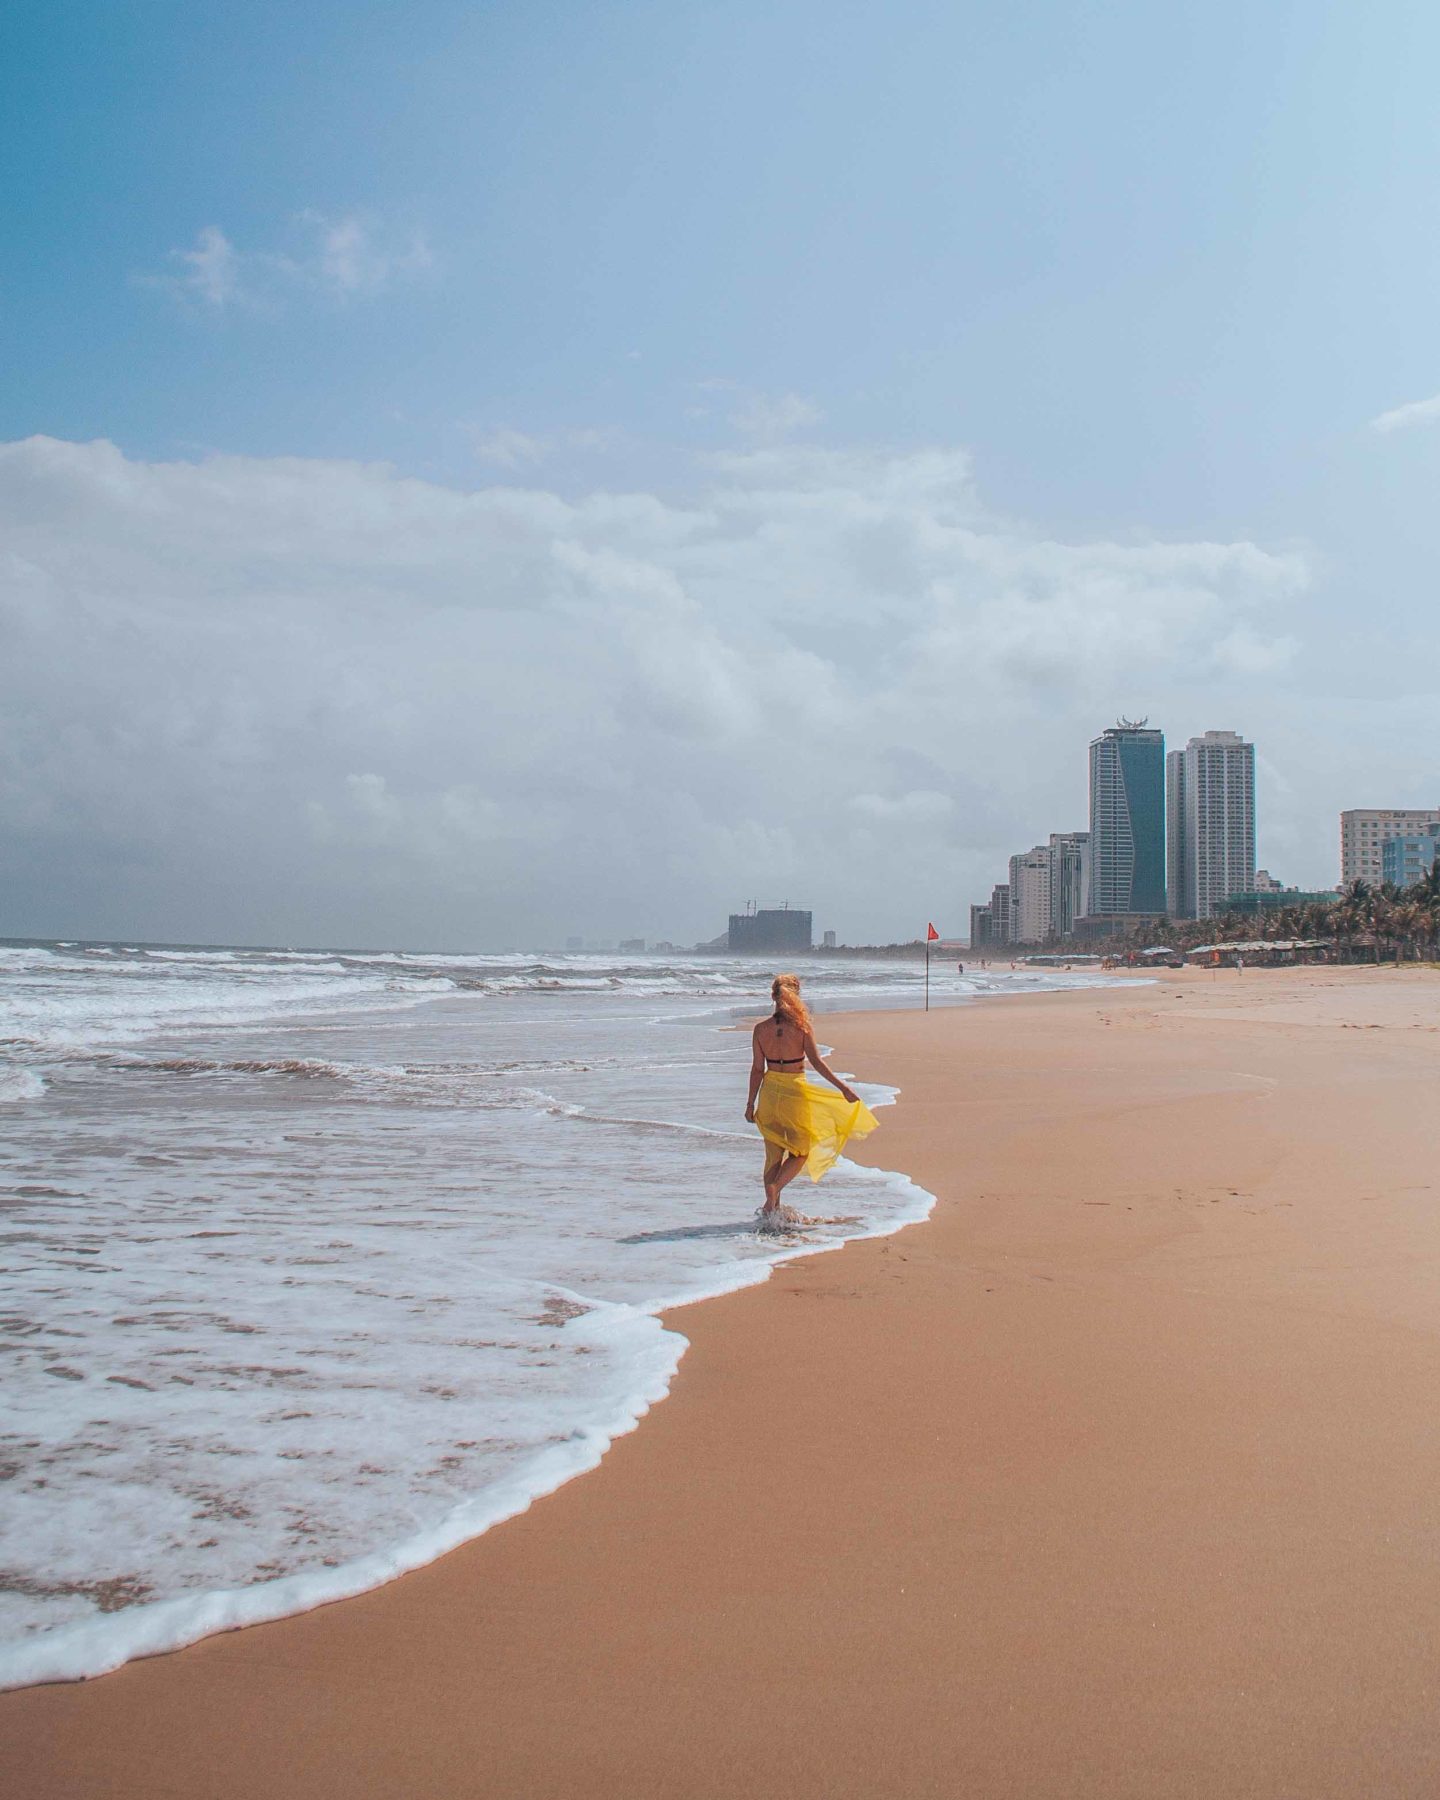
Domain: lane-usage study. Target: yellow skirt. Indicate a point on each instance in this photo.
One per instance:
(797, 1118)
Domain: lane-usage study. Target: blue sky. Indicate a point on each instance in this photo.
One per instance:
(1152, 270)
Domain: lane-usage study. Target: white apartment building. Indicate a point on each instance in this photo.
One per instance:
(1363, 832)
(1210, 827)
(1000, 913)
(1069, 880)
(1030, 896)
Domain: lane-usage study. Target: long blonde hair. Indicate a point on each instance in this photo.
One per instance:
(790, 1009)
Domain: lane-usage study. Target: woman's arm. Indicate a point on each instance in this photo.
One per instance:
(757, 1072)
(817, 1061)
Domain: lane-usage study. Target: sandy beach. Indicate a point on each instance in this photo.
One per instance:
(1117, 1478)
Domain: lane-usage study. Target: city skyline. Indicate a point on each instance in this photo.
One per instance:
(1204, 818)
(1209, 829)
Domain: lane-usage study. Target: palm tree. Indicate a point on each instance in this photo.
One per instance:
(1412, 917)
(1426, 895)
(1352, 912)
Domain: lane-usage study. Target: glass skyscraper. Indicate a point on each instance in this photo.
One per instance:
(1127, 821)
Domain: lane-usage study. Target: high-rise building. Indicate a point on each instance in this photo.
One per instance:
(1175, 843)
(1069, 880)
(828, 940)
(779, 928)
(1030, 896)
(1000, 913)
(1364, 830)
(1406, 860)
(980, 927)
(1127, 821)
(1211, 823)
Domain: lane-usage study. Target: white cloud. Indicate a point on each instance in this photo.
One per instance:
(289, 699)
(350, 257)
(342, 258)
(1245, 651)
(767, 416)
(764, 418)
(919, 806)
(1415, 412)
(509, 449)
(211, 271)
(505, 448)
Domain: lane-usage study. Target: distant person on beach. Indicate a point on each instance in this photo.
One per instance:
(804, 1126)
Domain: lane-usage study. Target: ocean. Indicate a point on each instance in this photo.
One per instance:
(319, 1263)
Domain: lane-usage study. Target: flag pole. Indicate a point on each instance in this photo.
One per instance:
(927, 968)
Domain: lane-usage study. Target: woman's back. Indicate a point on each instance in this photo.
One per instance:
(781, 1041)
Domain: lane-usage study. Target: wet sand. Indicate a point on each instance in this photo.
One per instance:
(1121, 1477)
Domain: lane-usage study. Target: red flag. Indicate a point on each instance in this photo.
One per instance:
(932, 936)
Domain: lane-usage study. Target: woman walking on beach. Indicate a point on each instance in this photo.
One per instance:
(804, 1126)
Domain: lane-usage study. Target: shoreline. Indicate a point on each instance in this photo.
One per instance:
(91, 1649)
(1111, 1481)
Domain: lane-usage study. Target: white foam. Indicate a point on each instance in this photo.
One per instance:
(128, 1001)
(18, 1084)
(643, 1356)
(98, 1645)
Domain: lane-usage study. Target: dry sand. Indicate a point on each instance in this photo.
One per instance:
(1119, 1478)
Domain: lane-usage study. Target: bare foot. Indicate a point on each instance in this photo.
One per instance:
(783, 1219)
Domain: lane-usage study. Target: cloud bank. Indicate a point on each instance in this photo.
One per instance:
(304, 701)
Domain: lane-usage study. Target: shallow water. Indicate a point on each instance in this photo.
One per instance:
(317, 1263)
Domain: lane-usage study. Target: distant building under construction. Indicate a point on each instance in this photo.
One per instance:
(770, 931)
